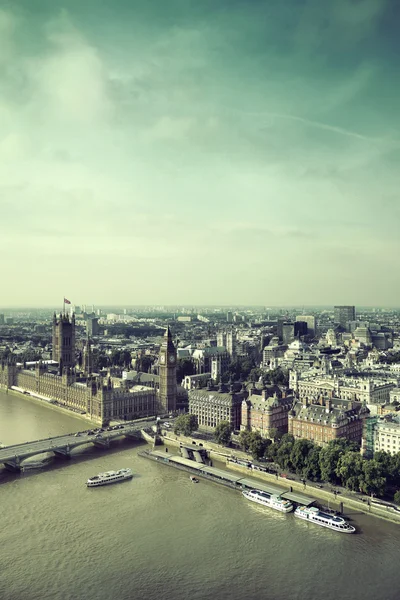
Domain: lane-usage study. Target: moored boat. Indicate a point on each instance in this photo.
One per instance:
(319, 517)
(194, 479)
(109, 477)
(267, 499)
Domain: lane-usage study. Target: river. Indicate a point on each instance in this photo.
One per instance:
(159, 537)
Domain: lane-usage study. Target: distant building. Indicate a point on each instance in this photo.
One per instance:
(92, 326)
(273, 353)
(1, 319)
(192, 382)
(202, 358)
(368, 391)
(363, 335)
(310, 320)
(300, 328)
(386, 434)
(287, 333)
(228, 340)
(343, 315)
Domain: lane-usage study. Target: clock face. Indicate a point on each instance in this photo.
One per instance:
(171, 358)
(162, 359)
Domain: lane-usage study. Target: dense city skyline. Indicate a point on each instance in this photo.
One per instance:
(199, 153)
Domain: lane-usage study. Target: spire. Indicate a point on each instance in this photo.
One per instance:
(168, 334)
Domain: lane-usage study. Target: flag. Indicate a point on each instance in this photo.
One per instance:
(66, 301)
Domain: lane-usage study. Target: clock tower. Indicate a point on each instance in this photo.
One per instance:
(167, 362)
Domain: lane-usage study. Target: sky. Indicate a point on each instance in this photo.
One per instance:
(199, 152)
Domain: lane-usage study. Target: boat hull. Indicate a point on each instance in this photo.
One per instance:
(269, 504)
(309, 519)
(109, 482)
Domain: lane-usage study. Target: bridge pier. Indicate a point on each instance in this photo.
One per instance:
(62, 452)
(13, 465)
(102, 443)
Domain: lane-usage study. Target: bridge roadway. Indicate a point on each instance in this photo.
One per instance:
(12, 456)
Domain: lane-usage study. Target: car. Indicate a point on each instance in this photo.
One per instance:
(90, 432)
(98, 435)
(77, 435)
(110, 428)
(167, 425)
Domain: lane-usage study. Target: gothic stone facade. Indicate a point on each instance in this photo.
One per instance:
(95, 396)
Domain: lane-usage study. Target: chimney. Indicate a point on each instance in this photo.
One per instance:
(328, 405)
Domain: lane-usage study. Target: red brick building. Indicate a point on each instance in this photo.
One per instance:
(327, 419)
(265, 413)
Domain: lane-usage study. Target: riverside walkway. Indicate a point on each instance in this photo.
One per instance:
(12, 456)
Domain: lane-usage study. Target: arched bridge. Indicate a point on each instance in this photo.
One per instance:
(12, 456)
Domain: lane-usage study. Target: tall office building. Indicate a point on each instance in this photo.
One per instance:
(310, 320)
(64, 340)
(344, 314)
(92, 326)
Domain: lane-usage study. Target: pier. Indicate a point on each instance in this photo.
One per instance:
(226, 478)
(13, 456)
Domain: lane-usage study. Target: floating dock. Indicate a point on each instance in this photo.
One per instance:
(224, 477)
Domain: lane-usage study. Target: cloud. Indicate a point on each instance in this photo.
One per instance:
(180, 143)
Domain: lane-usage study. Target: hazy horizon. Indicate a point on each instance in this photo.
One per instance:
(196, 153)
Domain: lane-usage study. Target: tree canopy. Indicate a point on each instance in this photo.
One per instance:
(186, 424)
(223, 433)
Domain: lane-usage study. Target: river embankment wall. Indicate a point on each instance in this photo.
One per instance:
(47, 404)
(222, 454)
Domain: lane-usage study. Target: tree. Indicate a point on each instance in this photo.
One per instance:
(240, 368)
(244, 439)
(145, 363)
(121, 358)
(284, 452)
(255, 374)
(274, 434)
(257, 445)
(329, 457)
(186, 424)
(299, 454)
(349, 469)
(372, 480)
(277, 376)
(311, 469)
(223, 433)
(396, 497)
(183, 368)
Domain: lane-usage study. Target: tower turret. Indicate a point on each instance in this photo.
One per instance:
(167, 361)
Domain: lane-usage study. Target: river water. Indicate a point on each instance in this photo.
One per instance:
(160, 537)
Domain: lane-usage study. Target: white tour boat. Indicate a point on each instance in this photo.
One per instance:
(319, 517)
(109, 477)
(267, 499)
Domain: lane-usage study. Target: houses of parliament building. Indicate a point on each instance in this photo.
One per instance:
(102, 398)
